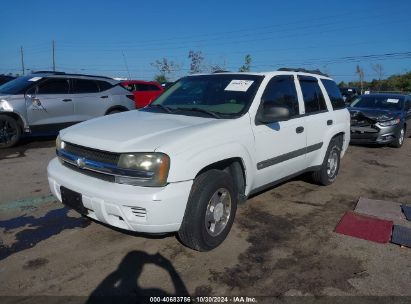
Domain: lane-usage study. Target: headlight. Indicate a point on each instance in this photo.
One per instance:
(144, 169)
(389, 123)
(59, 143)
(5, 106)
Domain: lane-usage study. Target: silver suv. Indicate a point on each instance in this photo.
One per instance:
(46, 102)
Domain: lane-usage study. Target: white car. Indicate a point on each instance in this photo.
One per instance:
(183, 163)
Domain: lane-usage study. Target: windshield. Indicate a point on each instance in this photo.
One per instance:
(379, 102)
(223, 94)
(18, 85)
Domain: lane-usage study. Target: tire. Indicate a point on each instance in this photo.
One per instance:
(114, 112)
(212, 195)
(10, 132)
(328, 172)
(399, 141)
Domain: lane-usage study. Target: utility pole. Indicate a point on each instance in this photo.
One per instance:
(54, 61)
(22, 59)
(126, 64)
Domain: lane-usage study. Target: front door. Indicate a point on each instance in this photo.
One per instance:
(280, 146)
(49, 106)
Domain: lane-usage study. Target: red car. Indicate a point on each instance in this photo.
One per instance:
(144, 91)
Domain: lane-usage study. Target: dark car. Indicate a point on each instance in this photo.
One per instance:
(5, 78)
(381, 119)
(349, 94)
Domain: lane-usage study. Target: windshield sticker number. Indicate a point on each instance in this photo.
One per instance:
(35, 79)
(392, 100)
(239, 85)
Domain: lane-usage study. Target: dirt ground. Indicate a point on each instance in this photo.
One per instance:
(282, 242)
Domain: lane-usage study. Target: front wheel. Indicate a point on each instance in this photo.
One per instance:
(10, 131)
(328, 172)
(399, 141)
(210, 211)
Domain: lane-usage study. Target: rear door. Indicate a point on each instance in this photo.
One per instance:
(280, 146)
(49, 106)
(89, 102)
(318, 119)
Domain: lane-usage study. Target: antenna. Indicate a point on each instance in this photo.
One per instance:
(54, 61)
(22, 59)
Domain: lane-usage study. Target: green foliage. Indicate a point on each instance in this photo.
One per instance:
(161, 78)
(400, 82)
(246, 67)
(165, 67)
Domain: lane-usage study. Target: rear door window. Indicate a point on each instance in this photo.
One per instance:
(334, 93)
(152, 87)
(54, 86)
(85, 86)
(103, 85)
(313, 97)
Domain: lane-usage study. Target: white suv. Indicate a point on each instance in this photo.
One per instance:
(183, 163)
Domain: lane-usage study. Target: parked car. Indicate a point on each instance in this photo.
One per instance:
(349, 94)
(43, 103)
(144, 91)
(5, 78)
(183, 163)
(381, 119)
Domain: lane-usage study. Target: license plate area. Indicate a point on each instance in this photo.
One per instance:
(73, 200)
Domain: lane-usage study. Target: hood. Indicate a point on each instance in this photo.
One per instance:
(133, 131)
(376, 115)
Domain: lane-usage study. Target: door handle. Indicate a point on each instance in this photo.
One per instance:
(329, 122)
(67, 100)
(299, 129)
(105, 96)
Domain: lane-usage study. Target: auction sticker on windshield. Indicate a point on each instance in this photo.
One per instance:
(239, 85)
(392, 100)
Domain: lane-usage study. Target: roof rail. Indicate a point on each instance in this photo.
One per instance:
(220, 71)
(48, 72)
(317, 71)
(69, 74)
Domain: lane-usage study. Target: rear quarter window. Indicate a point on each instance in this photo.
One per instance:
(334, 93)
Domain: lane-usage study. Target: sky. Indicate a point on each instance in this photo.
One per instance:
(124, 38)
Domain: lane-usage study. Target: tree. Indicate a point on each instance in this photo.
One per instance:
(165, 68)
(196, 62)
(246, 67)
(360, 72)
(379, 70)
(342, 84)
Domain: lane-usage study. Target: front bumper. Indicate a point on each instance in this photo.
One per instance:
(374, 135)
(141, 209)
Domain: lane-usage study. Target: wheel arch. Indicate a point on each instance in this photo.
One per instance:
(116, 108)
(16, 117)
(236, 168)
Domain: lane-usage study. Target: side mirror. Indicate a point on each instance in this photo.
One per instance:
(271, 113)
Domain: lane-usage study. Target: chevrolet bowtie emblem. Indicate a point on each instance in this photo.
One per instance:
(80, 162)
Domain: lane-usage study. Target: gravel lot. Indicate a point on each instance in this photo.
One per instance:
(282, 242)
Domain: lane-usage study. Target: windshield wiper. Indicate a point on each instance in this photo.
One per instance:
(167, 109)
(210, 113)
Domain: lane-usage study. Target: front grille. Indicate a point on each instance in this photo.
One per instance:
(102, 176)
(92, 154)
(360, 123)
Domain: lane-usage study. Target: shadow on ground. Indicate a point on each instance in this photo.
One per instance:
(38, 229)
(25, 144)
(124, 280)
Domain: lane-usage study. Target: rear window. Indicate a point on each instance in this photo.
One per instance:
(334, 94)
